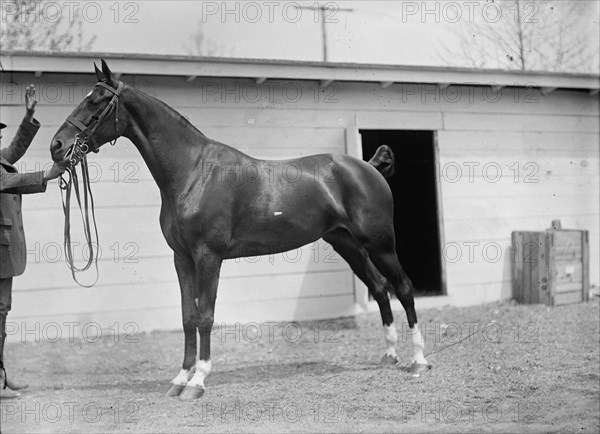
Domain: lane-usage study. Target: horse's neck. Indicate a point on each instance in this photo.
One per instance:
(166, 141)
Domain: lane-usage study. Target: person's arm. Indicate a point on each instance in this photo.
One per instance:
(26, 183)
(26, 132)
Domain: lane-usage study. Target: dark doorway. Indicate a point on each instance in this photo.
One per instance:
(415, 203)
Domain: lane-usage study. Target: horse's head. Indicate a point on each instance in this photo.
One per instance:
(98, 119)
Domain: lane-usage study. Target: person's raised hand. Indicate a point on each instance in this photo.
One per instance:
(30, 101)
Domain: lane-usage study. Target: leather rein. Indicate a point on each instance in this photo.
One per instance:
(78, 154)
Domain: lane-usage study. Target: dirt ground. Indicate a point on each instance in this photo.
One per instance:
(496, 368)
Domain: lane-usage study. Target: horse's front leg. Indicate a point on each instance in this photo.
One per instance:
(186, 273)
(208, 268)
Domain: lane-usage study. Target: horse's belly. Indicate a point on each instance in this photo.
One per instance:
(246, 248)
(277, 231)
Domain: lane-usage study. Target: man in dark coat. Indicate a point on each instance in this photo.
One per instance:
(13, 253)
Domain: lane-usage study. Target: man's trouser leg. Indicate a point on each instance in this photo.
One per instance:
(5, 302)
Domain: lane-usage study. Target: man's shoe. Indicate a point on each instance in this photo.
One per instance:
(8, 393)
(11, 384)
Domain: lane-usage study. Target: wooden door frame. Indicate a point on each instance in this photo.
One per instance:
(354, 148)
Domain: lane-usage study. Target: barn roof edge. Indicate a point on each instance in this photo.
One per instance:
(260, 70)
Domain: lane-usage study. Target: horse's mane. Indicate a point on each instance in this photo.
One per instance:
(181, 118)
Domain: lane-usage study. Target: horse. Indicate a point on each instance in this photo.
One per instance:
(208, 216)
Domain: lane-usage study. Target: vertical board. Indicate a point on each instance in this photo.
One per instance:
(354, 148)
(440, 210)
(543, 270)
(517, 267)
(551, 269)
(585, 261)
(529, 257)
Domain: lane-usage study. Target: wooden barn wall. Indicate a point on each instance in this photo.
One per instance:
(547, 151)
(532, 160)
(137, 277)
(508, 159)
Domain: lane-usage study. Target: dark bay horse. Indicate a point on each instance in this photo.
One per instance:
(218, 203)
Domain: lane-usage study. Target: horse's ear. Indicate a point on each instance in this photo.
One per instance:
(110, 78)
(99, 74)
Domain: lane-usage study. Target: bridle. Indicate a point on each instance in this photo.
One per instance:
(78, 153)
(80, 146)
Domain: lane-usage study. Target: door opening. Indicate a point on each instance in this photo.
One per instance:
(414, 188)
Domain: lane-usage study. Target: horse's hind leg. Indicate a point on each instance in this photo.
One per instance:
(383, 254)
(358, 259)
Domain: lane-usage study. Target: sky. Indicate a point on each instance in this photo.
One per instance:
(372, 32)
(388, 32)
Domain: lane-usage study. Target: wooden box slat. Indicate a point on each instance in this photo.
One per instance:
(567, 298)
(550, 267)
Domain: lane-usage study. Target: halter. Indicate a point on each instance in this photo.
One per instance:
(78, 153)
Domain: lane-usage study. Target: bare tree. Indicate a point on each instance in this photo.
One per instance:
(200, 45)
(39, 25)
(526, 35)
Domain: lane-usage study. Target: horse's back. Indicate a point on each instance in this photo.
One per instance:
(353, 189)
(339, 186)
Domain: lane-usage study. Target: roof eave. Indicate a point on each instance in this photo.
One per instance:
(190, 66)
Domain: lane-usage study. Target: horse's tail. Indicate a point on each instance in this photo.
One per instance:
(383, 160)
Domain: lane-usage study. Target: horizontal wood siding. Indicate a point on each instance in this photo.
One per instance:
(546, 147)
(137, 276)
(501, 172)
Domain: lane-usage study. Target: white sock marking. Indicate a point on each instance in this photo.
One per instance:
(203, 368)
(182, 378)
(391, 338)
(418, 344)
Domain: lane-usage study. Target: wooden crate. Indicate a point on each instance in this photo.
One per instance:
(550, 267)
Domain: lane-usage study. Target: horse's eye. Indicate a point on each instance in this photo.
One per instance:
(95, 101)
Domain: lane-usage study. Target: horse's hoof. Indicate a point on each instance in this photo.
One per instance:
(191, 392)
(389, 360)
(416, 369)
(175, 389)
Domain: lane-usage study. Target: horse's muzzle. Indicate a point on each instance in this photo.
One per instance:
(57, 150)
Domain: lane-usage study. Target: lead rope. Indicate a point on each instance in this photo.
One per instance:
(66, 186)
(78, 153)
